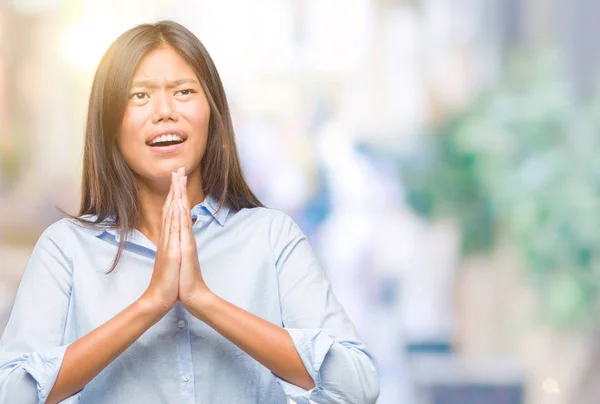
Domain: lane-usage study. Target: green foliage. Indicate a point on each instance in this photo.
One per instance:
(523, 161)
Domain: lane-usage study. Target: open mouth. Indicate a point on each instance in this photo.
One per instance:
(166, 140)
(167, 143)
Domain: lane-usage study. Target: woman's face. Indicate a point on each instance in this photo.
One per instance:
(165, 125)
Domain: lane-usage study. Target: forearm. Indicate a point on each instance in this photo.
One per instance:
(269, 344)
(89, 355)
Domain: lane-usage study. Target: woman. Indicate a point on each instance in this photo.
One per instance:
(173, 284)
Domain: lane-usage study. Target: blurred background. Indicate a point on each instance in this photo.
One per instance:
(439, 154)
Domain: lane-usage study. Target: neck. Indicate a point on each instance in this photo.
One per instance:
(153, 196)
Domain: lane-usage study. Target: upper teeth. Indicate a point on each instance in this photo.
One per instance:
(167, 138)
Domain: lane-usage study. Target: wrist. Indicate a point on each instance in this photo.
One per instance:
(152, 305)
(200, 304)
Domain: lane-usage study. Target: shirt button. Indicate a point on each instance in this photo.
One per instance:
(181, 324)
(186, 378)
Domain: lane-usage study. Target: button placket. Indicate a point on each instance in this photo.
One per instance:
(184, 353)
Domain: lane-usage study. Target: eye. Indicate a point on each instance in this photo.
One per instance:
(139, 96)
(186, 91)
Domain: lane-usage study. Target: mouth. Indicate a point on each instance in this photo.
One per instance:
(167, 141)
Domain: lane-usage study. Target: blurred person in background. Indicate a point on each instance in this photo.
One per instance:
(114, 304)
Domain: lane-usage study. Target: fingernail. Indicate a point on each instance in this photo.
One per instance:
(185, 180)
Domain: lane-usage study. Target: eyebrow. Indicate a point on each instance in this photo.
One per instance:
(169, 83)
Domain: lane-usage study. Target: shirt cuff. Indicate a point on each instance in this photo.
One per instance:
(44, 369)
(312, 346)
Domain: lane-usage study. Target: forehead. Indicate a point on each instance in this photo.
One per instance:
(163, 63)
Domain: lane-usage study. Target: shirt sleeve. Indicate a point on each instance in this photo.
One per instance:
(32, 347)
(340, 364)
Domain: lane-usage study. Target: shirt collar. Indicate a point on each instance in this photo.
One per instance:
(209, 205)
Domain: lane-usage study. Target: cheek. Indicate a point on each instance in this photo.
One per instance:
(124, 140)
(198, 114)
(130, 128)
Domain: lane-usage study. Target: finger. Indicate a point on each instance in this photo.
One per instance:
(167, 202)
(173, 246)
(178, 176)
(166, 230)
(177, 186)
(175, 220)
(185, 203)
(164, 234)
(181, 180)
(187, 238)
(184, 196)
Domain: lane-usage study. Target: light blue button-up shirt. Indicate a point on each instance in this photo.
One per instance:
(257, 259)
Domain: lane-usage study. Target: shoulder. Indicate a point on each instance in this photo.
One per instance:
(57, 230)
(272, 220)
(278, 227)
(64, 232)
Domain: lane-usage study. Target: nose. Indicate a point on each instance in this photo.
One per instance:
(164, 109)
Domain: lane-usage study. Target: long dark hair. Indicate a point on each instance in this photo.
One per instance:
(109, 188)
